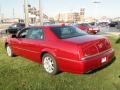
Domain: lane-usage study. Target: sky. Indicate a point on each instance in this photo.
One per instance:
(109, 8)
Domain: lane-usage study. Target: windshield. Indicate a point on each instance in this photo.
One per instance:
(67, 32)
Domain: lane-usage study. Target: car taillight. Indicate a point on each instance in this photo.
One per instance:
(90, 51)
(108, 44)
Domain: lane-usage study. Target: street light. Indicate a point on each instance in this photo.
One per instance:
(96, 2)
(13, 13)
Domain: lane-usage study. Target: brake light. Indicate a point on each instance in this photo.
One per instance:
(90, 51)
(108, 44)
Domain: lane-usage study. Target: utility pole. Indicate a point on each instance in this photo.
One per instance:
(40, 13)
(26, 13)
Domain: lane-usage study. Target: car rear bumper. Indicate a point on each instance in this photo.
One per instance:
(98, 61)
(87, 65)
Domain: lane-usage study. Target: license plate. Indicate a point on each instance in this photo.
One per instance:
(104, 60)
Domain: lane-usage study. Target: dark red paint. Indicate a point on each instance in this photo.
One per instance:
(76, 55)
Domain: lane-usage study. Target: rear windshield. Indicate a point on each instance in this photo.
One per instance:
(67, 32)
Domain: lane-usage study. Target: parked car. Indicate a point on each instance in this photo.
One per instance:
(113, 24)
(13, 29)
(118, 25)
(61, 48)
(103, 24)
(88, 28)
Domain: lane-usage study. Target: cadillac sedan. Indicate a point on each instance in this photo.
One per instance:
(61, 48)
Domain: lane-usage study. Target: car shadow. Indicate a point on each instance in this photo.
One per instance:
(101, 68)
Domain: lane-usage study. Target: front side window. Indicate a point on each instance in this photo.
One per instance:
(23, 33)
(67, 31)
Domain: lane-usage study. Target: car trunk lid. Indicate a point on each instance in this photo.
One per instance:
(91, 44)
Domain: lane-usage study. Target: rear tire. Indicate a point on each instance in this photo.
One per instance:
(9, 51)
(49, 64)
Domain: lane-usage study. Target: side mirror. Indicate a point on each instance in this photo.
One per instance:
(13, 36)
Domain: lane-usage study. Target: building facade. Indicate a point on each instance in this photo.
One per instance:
(34, 15)
(70, 17)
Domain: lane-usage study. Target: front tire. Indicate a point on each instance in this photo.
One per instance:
(49, 64)
(9, 51)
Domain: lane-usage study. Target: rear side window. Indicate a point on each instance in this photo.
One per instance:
(67, 32)
(35, 33)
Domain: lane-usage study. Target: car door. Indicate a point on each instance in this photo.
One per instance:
(16, 42)
(32, 44)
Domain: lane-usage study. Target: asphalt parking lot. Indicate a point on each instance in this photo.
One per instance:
(109, 31)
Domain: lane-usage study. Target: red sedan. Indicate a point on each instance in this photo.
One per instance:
(61, 48)
(88, 28)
